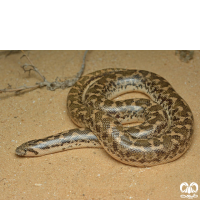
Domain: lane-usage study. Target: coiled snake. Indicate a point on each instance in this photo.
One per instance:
(166, 120)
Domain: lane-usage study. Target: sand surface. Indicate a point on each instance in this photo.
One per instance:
(88, 174)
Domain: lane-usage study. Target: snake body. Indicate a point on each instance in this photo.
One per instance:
(164, 134)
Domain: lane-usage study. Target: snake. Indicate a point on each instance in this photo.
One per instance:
(164, 126)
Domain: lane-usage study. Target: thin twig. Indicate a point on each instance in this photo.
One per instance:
(50, 85)
(2, 179)
(32, 68)
(17, 90)
(26, 57)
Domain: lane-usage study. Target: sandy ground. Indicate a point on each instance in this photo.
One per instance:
(88, 174)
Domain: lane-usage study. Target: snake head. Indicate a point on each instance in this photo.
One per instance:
(26, 149)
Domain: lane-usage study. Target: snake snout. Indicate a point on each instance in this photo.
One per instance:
(20, 151)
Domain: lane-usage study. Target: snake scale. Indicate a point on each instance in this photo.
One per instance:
(163, 135)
